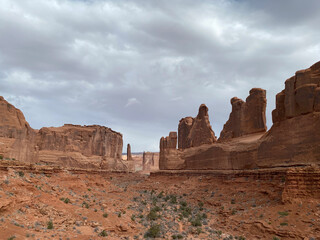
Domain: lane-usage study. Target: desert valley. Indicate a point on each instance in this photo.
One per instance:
(73, 182)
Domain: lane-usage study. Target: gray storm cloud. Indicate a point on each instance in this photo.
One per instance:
(140, 66)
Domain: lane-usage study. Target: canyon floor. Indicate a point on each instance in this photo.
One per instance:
(48, 203)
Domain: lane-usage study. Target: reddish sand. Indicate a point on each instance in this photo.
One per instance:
(232, 206)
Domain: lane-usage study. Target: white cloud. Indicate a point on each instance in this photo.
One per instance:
(132, 101)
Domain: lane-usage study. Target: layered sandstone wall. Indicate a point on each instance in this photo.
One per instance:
(302, 184)
(69, 146)
(80, 146)
(294, 138)
(169, 157)
(246, 117)
(17, 138)
(300, 96)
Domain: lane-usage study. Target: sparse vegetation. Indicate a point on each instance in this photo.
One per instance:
(65, 200)
(105, 215)
(85, 204)
(103, 234)
(283, 214)
(50, 225)
(153, 231)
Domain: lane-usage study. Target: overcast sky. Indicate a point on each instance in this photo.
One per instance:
(138, 67)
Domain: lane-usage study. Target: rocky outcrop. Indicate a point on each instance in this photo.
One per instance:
(17, 138)
(246, 117)
(293, 140)
(169, 157)
(201, 131)
(184, 129)
(302, 184)
(68, 146)
(193, 132)
(129, 156)
(300, 96)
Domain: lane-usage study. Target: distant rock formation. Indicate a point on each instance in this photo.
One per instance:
(246, 117)
(69, 146)
(80, 146)
(129, 156)
(150, 160)
(168, 156)
(293, 140)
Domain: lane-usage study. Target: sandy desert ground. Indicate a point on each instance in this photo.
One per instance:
(49, 203)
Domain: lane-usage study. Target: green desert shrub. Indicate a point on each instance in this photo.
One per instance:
(153, 232)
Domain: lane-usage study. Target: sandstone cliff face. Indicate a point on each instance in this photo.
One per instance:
(184, 129)
(68, 146)
(169, 156)
(80, 146)
(302, 184)
(300, 96)
(16, 136)
(293, 140)
(294, 137)
(246, 117)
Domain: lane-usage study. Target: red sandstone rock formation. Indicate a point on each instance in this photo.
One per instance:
(184, 129)
(168, 156)
(294, 137)
(16, 136)
(300, 96)
(68, 146)
(246, 117)
(201, 131)
(80, 146)
(293, 140)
